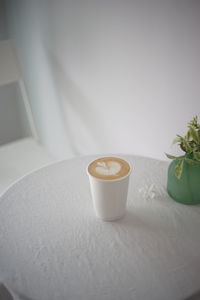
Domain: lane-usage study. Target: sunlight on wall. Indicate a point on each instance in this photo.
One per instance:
(109, 76)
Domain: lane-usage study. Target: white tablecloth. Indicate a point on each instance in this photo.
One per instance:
(52, 246)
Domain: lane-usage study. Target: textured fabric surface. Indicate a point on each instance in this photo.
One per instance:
(52, 246)
(19, 158)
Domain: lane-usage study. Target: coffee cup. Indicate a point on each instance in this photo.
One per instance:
(109, 180)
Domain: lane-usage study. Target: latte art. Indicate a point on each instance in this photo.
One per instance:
(109, 168)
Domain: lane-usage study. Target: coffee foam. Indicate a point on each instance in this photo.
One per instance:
(109, 168)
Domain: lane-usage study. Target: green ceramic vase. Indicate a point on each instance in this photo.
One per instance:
(185, 190)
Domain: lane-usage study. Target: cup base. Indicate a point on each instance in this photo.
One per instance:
(112, 219)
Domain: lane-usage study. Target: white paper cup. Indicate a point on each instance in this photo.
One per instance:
(109, 196)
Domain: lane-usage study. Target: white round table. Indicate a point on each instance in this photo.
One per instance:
(52, 246)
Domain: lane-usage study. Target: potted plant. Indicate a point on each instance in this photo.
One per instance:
(183, 183)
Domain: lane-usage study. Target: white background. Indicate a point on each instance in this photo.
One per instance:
(109, 76)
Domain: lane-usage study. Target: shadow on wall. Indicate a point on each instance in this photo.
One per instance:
(195, 296)
(80, 117)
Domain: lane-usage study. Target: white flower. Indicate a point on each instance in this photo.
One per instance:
(148, 191)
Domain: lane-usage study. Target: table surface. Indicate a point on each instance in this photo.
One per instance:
(52, 246)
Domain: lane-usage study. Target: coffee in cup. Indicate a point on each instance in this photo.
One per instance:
(109, 168)
(109, 179)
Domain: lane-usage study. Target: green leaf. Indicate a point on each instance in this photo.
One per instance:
(194, 134)
(194, 122)
(199, 133)
(179, 168)
(175, 157)
(176, 140)
(188, 136)
(196, 155)
(196, 149)
(186, 146)
(192, 162)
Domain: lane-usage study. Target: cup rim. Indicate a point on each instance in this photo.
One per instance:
(110, 180)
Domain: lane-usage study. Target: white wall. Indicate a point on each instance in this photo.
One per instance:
(109, 75)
